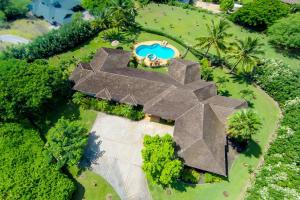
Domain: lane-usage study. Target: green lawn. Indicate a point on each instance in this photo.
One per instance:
(188, 25)
(93, 187)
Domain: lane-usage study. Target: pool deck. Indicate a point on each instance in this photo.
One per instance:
(160, 61)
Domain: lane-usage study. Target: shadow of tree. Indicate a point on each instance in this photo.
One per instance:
(79, 193)
(253, 149)
(92, 151)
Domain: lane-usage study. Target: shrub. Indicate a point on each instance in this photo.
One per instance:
(25, 172)
(226, 5)
(54, 42)
(159, 160)
(285, 33)
(243, 124)
(206, 70)
(109, 107)
(212, 178)
(278, 80)
(190, 176)
(260, 14)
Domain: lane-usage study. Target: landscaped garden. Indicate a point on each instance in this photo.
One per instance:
(37, 98)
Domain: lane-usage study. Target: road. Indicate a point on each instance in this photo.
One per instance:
(13, 39)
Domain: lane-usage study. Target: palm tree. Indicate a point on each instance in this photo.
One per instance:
(243, 124)
(122, 13)
(216, 37)
(245, 52)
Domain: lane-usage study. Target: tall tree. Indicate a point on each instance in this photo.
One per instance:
(159, 160)
(217, 33)
(245, 52)
(26, 87)
(66, 142)
(122, 13)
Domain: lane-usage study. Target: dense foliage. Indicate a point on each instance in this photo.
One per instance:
(109, 107)
(66, 142)
(190, 175)
(260, 14)
(159, 160)
(25, 173)
(56, 41)
(226, 5)
(25, 87)
(279, 176)
(285, 33)
(243, 124)
(13, 9)
(278, 80)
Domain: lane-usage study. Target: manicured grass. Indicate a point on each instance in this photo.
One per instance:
(93, 187)
(26, 28)
(238, 175)
(188, 25)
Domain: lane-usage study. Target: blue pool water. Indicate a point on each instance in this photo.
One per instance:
(155, 50)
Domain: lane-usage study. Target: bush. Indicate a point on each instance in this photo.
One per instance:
(159, 160)
(285, 33)
(190, 176)
(278, 178)
(25, 172)
(54, 42)
(109, 107)
(206, 70)
(212, 178)
(226, 5)
(278, 80)
(260, 14)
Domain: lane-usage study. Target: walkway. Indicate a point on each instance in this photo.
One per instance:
(114, 150)
(215, 8)
(13, 39)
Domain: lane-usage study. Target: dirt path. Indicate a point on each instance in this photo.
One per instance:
(13, 39)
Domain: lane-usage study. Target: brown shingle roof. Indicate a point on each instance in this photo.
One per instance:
(199, 114)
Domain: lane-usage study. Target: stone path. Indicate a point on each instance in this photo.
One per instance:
(114, 150)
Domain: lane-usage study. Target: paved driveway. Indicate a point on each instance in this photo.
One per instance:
(114, 150)
(13, 39)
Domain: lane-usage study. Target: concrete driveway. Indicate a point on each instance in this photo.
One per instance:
(13, 39)
(114, 152)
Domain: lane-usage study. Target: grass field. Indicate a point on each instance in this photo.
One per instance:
(239, 174)
(188, 25)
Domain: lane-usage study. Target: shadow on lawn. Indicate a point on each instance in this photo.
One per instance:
(79, 193)
(253, 149)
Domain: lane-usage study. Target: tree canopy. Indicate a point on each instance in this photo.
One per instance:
(285, 33)
(160, 162)
(66, 142)
(260, 14)
(25, 173)
(25, 87)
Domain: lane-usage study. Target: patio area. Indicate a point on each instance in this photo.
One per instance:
(114, 152)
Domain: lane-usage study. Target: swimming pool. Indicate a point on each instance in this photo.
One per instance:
(155, 50)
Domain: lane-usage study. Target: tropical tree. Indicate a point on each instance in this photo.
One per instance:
(217, 33)
(245, 52)
(243, 124)
(122, 13)
(159, 160)
(66, 142)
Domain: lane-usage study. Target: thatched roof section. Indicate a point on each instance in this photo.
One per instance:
(181, 95)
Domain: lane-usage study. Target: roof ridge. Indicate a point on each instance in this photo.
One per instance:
(159, 97)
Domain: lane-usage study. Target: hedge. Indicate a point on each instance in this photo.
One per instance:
(131, 112)
(56, 41)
